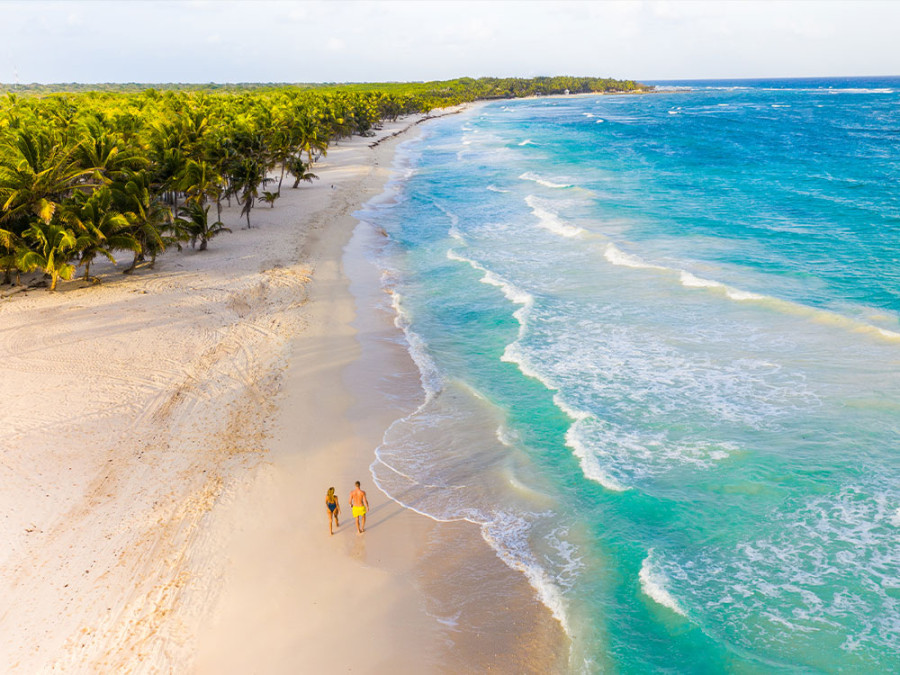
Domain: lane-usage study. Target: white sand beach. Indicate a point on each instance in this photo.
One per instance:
(165, 451)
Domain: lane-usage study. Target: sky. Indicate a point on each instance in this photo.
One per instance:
(335, 41)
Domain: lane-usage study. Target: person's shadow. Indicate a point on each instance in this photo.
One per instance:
(391, 509)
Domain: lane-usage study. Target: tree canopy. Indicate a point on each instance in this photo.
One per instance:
(88, 170)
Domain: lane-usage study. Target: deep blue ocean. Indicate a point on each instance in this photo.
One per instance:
(659, 338)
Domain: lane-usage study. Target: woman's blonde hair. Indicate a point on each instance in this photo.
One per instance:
(330, 493)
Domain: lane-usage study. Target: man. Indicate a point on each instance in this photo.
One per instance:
(360, 505)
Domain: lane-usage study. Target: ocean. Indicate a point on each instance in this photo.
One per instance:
(659, 346)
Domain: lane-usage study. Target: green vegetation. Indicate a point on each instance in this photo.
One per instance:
(95, 170)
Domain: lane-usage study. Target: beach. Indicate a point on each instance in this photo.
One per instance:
(172, 438)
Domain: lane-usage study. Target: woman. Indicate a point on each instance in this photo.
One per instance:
(334, 509)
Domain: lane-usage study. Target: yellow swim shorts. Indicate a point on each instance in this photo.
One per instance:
(359, 511)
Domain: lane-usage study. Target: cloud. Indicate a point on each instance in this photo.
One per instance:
(378, 41)
(334, 44)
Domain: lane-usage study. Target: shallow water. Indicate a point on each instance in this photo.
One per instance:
(659, 344)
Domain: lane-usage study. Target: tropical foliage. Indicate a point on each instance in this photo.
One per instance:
(88, 171)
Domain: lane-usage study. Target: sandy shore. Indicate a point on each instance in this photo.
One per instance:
(165, 443)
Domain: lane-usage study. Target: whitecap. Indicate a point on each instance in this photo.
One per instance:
(551, 221)
(510, 292)
(654, 585)
(574, 413)
(736, 294)
(507, 535)
(688, 280)
(418, 349)
(823, 560)
(530, 175)
(513, 354)
(618, 257)
(590, 464)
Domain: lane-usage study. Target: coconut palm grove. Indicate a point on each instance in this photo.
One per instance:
(128, 171)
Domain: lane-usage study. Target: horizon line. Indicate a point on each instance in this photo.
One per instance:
(499, 77)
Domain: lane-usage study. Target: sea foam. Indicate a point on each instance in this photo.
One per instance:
(654, 585)
(590, 465)
(617, 256)
(530, 175)
(551, 221)
(508, 536)
(418, 349)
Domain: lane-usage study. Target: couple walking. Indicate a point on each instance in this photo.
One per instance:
(358, 502)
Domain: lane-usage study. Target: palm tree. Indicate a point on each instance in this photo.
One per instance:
(102, 152)
(168, 158)
(148, 218)
(198, 225)
(310, 136)
(53, 248)
(246, 178)
(200, 181)
(36, 173)
(10, 243)
(299, 170)
(100, 229)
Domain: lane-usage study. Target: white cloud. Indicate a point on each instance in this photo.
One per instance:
(335, 44)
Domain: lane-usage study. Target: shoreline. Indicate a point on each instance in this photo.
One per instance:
(403, 553)
(180, 524)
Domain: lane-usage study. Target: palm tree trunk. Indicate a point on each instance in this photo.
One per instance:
(54, 277)
(279, 182)
(133, 264)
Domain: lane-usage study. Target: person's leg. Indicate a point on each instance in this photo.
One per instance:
(330, 521)
(363, 523)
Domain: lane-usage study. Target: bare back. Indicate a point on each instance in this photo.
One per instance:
(358, 498)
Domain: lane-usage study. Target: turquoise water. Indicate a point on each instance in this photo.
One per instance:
(659, 339)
